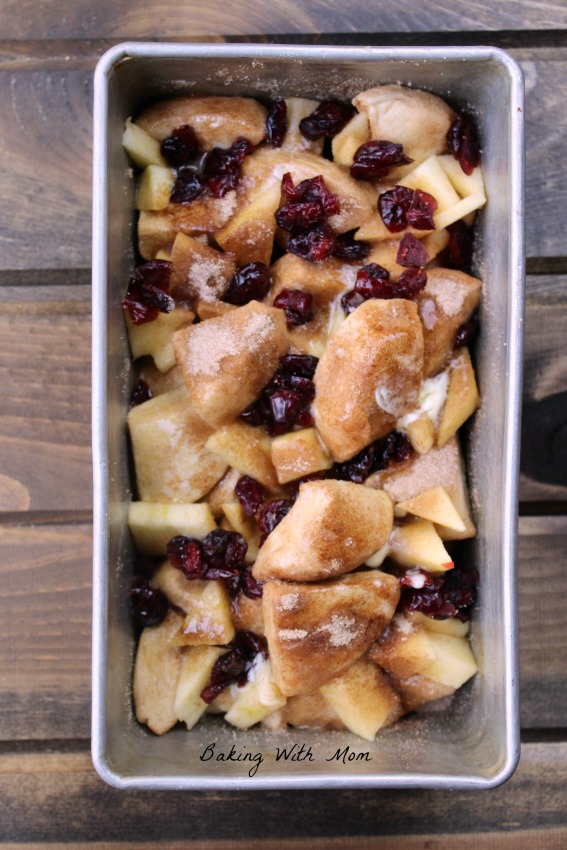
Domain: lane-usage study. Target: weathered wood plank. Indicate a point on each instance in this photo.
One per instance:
(121, 20)
(45, 635)
(56, 103)
(45, 800)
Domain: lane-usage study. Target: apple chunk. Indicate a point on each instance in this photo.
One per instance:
(258, 698)
(154, 338)
(154, 188)
(249, 235)
(247, 449)
(153, 524)
(208, 620)
(141, 147)
(299, 453)
(462, 396)
(195, 674)
(156, 673)
(417, 543)
(434, 505)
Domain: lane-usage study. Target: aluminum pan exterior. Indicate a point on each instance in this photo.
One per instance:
(433, 754)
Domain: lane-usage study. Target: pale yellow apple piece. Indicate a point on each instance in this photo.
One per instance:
(258, 698)
(454, 662)
(216, 121)
(154, 188)
(430, 177)
(374, 230)
(249, 235)
(246, 526)
(197, 665)
(226, 362)
(369, 375)
(152, 524)
(317, 630)
(207, 617)
(199, 271)
(330, 530)
(222, 492)
(159, 382)
(434, 505)
(346, 143)
(299, 108)
(163, 255)
(465, 184)
(421, 433)
(179, 591)
(221, 703)
(247, 449)
(311, 709)
(462, 396)
(156, 672)
(461, 209)
(449, 626)
(435, 242)
(418, 690)
(378, 558)
(363, 698)
(142, 148)
(299, 453)
(417, 544)
(247, 614)
(154, 338)
(156, 232)
(168, 442)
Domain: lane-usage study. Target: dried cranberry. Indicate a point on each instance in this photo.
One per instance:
(285, 406)
(147, 292)
(357, 469)
(420, 211)
(411, 252)
(302, 365)
(256, 414)
(276, 123)
(374, 160)
(348, 248)
(313, 245)
(315, 190)
(250, 586)
(140, 394)
(221, 167)
(351, 300)
(250, 494)
(180, 148)
(272, 514)
(232, 668)
(466, 333)
(300, 216)
(460, 247)
(395, 447)
(327, 120)
(148, 603)
(250, 644)
(188, 186)
(308, 204)
(373, 281)
(452, 595)
(224, 550)
(411, 281)
(400, 207)
(186, 554)
(250, 283)
(462, 141)
(297, 305)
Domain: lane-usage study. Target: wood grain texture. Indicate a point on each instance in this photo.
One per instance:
(44, 803)
(56, 103)
(22, 20)
(45, 586)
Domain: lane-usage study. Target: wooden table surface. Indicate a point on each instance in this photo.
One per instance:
(49, 792)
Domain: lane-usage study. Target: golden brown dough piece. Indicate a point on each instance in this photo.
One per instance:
(369, 375)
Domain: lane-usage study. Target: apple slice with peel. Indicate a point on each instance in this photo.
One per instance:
(417, 544)
(153, 524)
(462, 396)
(142, 148)
(258, 698)
(435, 505)
(363, 698)
(249, 235)
(207, 620)
(156, 673)
(154, 338)
(247, 449)
(195, 674)
(299, 453)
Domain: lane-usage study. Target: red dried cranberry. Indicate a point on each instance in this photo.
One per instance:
(180, 148)
(315, 190)
(401, 206)
(188, 186)
(147, 292)
(313, 245)
(452, 595)
(357, 469)
(250, 283)
(348, 248)
(327, 120)
(351, 300)
(250, 645)
(250, 494)
(256, 414)
(411, 252)
(186, 554)
(460, 247)
(462, 141)
(221, 167)
(411, 282)
(300, 216)
(308, 204)
(400, 447)
(302, 365)
(149, 604)
(298, 306)
(140, 394)
(396, 446)
(420, 211)
(373, 281)
(466, 333)
(232, 668)
(272, 514)
(285, 406)
(276, 123)
(224, 550)
(374, 160)
(250, 586)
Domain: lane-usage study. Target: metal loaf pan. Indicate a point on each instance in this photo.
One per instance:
(475, 743)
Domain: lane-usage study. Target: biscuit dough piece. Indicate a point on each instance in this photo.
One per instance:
(199, 272)
(449, 299)
(369, 376)
(227, 361)
(331, 530)
(415, 119)
(316, 631)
